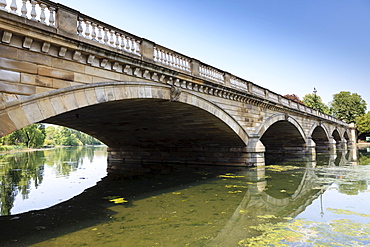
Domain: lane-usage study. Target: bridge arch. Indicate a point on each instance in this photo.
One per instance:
(43, 106)
(281, 133)
(139, 121)
(280, 117)
(320, 135)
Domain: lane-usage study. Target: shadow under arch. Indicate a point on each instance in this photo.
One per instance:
(320, 135)
(140, 122)
(282, 134)
(37, 108)
(280, 117)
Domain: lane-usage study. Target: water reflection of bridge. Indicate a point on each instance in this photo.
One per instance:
(258, 201)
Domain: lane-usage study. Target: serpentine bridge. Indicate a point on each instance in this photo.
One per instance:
(148, 103)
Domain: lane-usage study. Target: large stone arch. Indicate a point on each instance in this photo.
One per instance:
(21, 113)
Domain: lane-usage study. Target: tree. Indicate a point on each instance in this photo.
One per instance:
(314, 101)
(363, 123)
(32, 136)
(347, 106)
(58, 135)
(294, 98)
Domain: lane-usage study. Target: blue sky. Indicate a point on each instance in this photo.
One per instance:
(287, 46)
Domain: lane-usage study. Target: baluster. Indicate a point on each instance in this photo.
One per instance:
(79, 27)
(93, 34)
(164, 57)
(132, 45)
(172, 62)
(176, 61)
(3, 5)
(13, 7)
(160, 55)
(127, 47)
(51, 17)
(100, 37)
(24, 9)
(42, 14)
(106, 30)
(155, 54)
(87, 29)
(33, 11)
(117, 40)
(111, 41)
(182, 63)
(123, 42)
(137, 47)
(168, 62)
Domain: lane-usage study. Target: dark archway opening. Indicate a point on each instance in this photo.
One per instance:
(320, 138)
(156, 131)
(338, 140)
(281, 139)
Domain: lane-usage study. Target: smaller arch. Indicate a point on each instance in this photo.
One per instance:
(319, 124)
(282, 134)
(336, 135)
(280, 117)
(320, 135)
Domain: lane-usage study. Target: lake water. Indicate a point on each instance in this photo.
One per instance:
(63, 197)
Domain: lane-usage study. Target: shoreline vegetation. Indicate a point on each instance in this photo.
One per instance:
(15, 149)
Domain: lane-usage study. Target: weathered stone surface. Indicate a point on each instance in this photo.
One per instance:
(18, 117)
(81, 99)
(58, 105)
(36, 80)
(7, 126)
(46, 108)
(102, 73)
(69, 101)
(34, 57)
(33, 112)
(61, 83)
(17, 88)
(10, 76)
(67, 65)
(82, 78)
(55, 73)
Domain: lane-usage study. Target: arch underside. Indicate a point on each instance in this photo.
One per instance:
(143, 122)
(283, 137)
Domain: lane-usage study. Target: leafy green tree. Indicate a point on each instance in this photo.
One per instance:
(347, 106)
(32, 136)
(58, 135)
(363, 123)
(314, 101)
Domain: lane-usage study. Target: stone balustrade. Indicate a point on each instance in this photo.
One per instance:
(75, 24)
(40, 11)
(94, 30)
(171, 58)
(211, 73)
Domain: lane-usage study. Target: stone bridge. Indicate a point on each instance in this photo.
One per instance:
(147, 102)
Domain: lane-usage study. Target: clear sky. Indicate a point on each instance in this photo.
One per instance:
(287, 46)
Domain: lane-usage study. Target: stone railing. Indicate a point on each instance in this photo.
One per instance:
(74, 24)
(100, 32)
(171, 58)
(40, 11)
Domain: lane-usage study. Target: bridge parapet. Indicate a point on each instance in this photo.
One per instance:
(182, 70)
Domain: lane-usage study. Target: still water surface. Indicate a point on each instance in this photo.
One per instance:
(62, 197)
